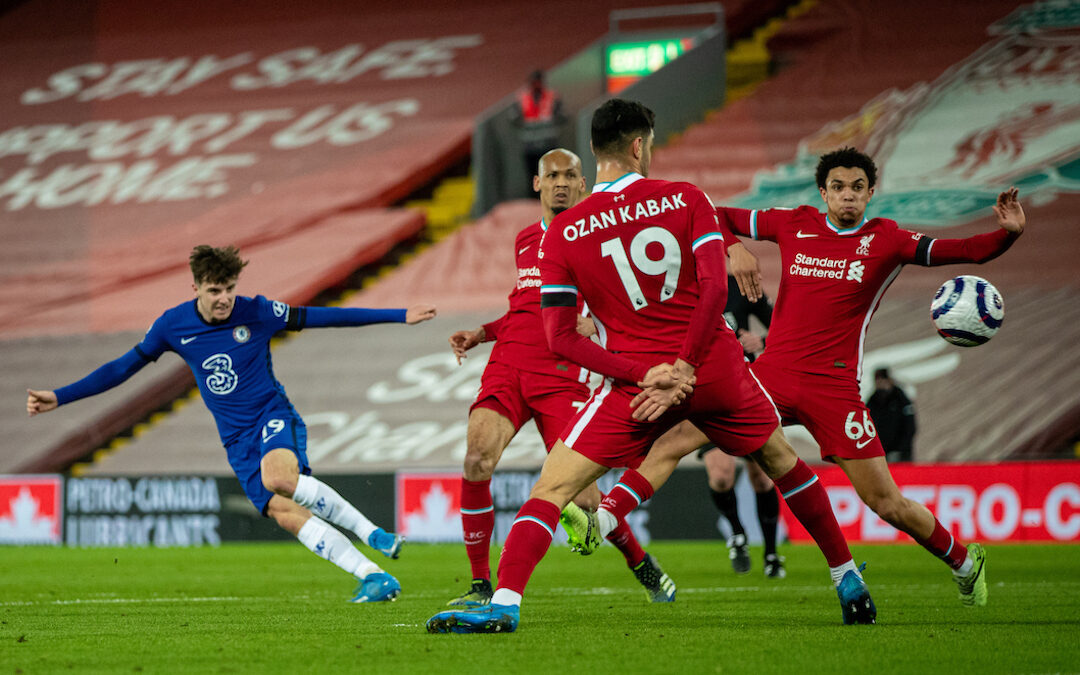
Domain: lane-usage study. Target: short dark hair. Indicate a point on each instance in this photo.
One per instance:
(882, 372)
(215, 265)
(616, 123)
(849, 158)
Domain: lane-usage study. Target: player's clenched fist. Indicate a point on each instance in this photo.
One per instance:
(39, 401)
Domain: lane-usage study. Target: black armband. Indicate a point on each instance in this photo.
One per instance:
(558, 300)
(922, 251)
(297, 315)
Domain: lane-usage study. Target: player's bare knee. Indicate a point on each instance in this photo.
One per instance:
(556, 494)
(721, 483)
(776, 457)
(889, 508)
(480, 463)
(280, 470)
(278, 479)
(279, 485)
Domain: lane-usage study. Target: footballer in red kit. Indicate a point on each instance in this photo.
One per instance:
(524, 380)
(832, 283)
(648, 258)
(521, 351)
(836, 267)
(834, 278)
(658, 229)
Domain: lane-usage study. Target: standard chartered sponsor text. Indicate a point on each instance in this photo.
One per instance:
(822, 268)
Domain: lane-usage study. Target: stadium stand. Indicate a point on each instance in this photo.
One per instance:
(129, 136)
(378, 400)
(1018, 396)
(917, 94)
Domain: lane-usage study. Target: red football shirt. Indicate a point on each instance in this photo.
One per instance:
(519, 334)
(632, 250)
(833, 280)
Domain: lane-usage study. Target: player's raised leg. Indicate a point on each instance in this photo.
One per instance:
(637, 485)
(565, 473)
(875, 486)
(488, 435)
(374, 585)
(659, 587)
(281, 475)
(809, 503)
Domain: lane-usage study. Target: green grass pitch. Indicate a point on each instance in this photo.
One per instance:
(277, 608)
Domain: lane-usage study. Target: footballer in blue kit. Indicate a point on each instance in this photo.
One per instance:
(225, 340)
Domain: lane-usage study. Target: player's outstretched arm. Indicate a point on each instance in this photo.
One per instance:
(40, 401)
(419, 313)
(1009, 212)
(106, 377)
(464, 340)
(338, 317)
(982, 247)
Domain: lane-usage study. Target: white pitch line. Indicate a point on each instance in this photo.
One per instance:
(120, 601)
(774, 587)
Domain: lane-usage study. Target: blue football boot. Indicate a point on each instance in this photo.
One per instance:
(486, 619)
(855, 600)
(387, 543)
(377, 587)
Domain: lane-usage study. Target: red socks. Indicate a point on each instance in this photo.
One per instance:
(942, 544)
(628, 493)
(477, 523)
(809, 502)
(622, 537)
(528, 541)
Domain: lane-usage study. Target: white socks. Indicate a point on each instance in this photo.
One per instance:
(323, 501)
(505, 596)
(965, 567)
(837, 573)
(329, 544)
(607, 522)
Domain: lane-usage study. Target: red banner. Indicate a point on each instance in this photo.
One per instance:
(1012, 501)
(429, 506)
(30, 509)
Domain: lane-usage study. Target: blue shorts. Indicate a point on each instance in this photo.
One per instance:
(280, 428)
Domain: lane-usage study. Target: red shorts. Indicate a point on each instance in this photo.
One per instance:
(519, 396)
(727, 405)
(829, 407)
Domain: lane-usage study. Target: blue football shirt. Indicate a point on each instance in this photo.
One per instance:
(230, 360)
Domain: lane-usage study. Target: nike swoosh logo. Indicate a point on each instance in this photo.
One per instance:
(267, 438)
(524, 249)
(184, 341)
(864, 443)
(804, 235)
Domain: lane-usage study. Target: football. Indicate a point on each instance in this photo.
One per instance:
(967, 310)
